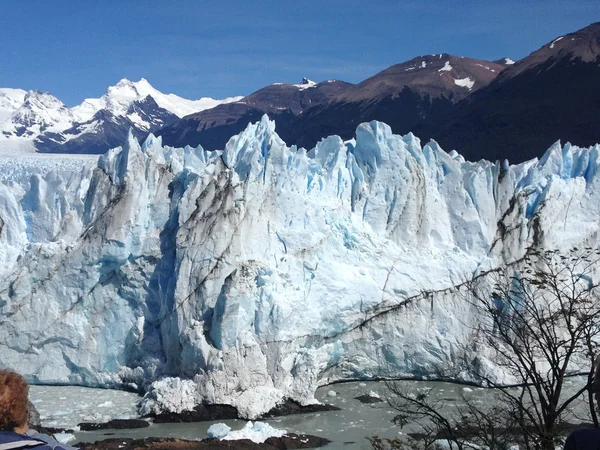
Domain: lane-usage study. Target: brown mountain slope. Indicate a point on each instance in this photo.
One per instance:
(212, 128)
(552, 94)
(403, 95)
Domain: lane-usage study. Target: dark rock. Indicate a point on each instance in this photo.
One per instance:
(203, 413)
(33, 416)
(116, 424)
(291, 407)
(290, 441)
(368, 399)
(52, 430)
(200, 414)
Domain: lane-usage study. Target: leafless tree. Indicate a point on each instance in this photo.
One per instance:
(537, 323)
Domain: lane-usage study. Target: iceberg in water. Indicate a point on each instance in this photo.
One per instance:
(257, 274)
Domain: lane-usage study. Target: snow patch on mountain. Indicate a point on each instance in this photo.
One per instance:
(464, 82)
(555, 41)
(257, 274)
(447, 67)
(305, 84)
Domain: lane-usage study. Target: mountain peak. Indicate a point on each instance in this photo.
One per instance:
(305, 84)
(582, 45)
(434, 75)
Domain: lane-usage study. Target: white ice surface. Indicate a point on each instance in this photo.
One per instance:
(257, 432)
(67, 406)
(64, 438)
(218, 431)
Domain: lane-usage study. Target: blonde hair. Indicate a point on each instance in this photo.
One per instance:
(14, 395)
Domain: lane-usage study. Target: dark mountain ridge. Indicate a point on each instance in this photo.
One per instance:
(402, 96)
(212, 128)
(551, 94)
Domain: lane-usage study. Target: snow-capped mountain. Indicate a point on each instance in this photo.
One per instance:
(10, 100)
(259, 273)
(119, 98)
(39, 112)
(39, 121)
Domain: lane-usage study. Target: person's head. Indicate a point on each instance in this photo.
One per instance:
(14, 394)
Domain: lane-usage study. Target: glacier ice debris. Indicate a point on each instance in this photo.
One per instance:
(256, 274)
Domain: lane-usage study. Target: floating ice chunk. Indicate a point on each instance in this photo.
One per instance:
(332, 393)
(218, 431)
(64, 438)
(257, 432)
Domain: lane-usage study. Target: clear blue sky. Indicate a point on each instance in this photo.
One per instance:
(75, 49)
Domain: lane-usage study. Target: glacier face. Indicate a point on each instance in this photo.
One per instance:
(257, 274)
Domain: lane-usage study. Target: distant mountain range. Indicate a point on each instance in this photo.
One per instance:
(35, 120)
(483, 109)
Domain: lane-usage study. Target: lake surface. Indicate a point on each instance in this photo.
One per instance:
(347, 429)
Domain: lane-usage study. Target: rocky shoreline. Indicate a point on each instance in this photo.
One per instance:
(205, 413)
(289, 441)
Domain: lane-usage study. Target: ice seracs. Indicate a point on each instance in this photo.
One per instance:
(255, 275)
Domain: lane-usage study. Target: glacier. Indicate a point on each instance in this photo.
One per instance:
(256, 274)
